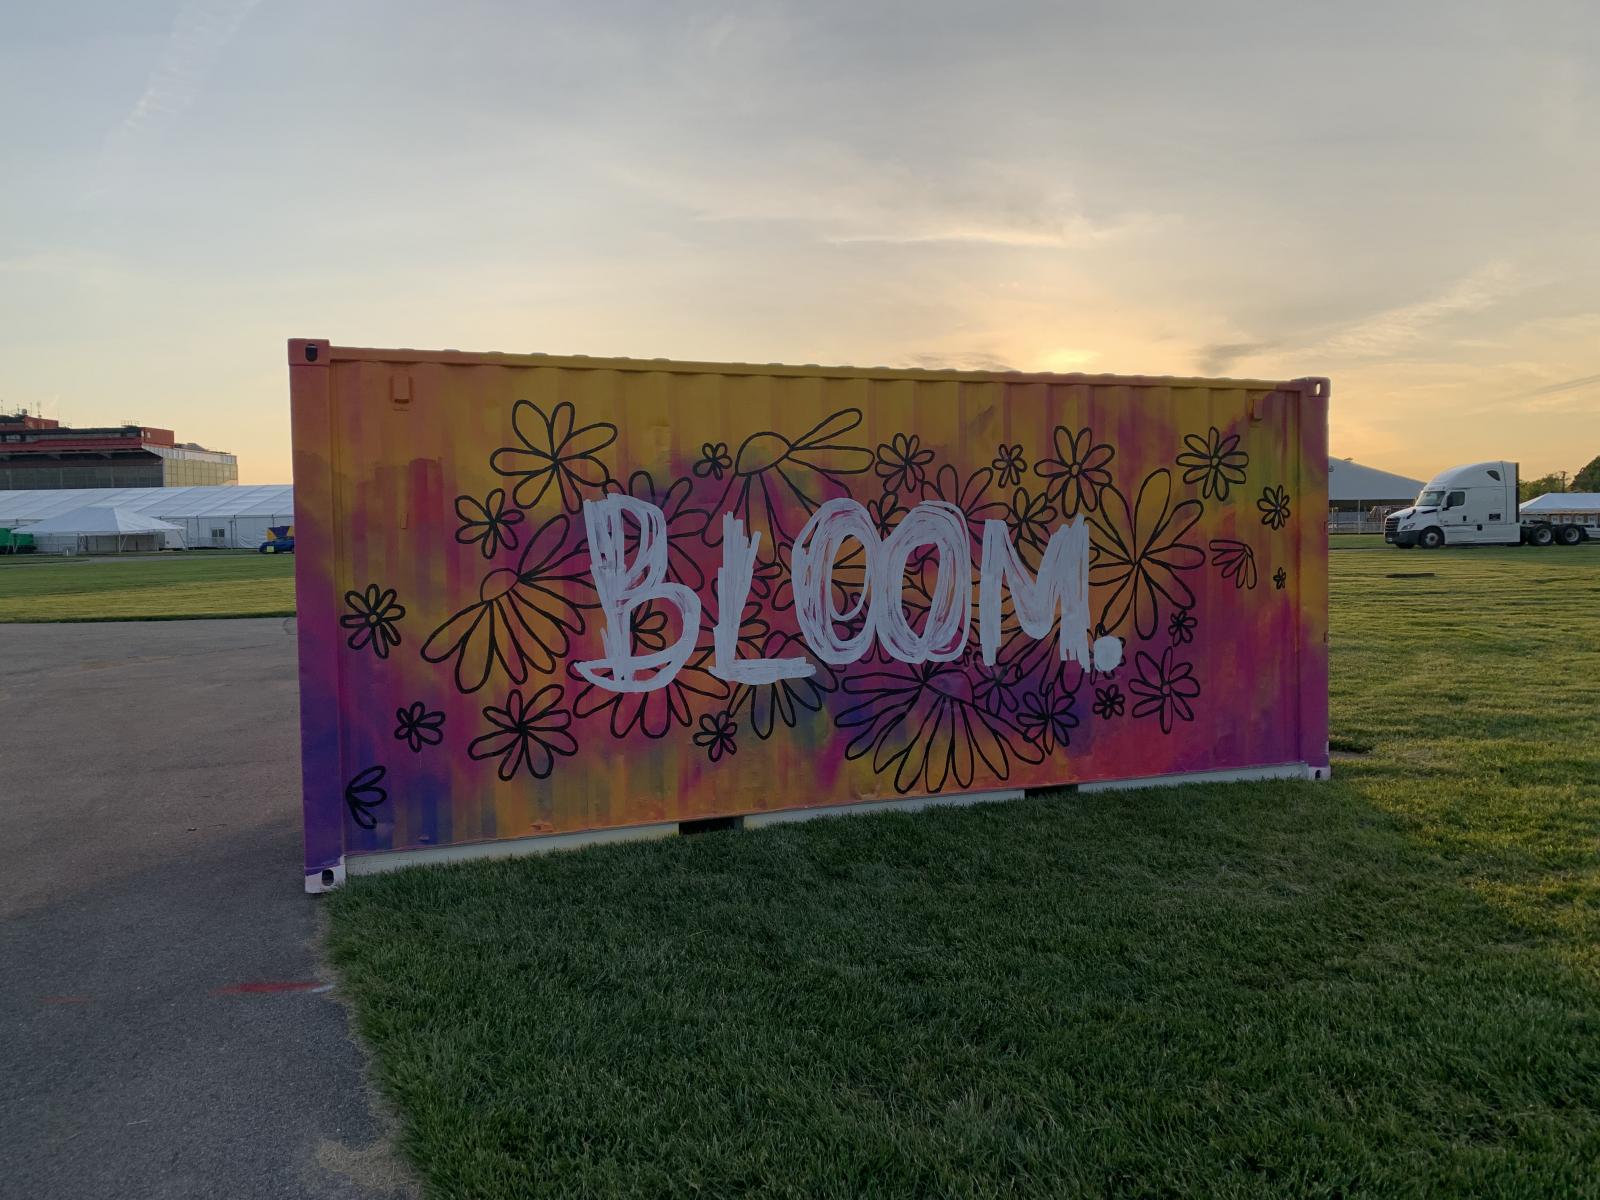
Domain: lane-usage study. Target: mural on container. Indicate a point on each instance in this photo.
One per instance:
(569, 605)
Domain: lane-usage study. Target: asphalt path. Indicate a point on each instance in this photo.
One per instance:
(166, 1026)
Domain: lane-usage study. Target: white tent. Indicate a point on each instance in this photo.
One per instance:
(101, 529)
(235, 516)
(1562, 502)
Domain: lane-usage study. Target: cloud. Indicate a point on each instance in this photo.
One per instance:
(957, 360)
(849, 200)
(1218, 357)
(1398, 329)
(199, 33)
(1566, 385)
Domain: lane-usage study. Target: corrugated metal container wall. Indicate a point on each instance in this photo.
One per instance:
(499, 554)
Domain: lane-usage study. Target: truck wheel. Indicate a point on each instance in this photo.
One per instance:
(1541, 535)
(1431, 539)
(1569, 535)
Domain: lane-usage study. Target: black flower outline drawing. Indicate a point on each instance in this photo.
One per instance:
(1180, 627)
(417, 727)
(1236, 561)
(526, 732)
(553, 453)
(657, 711)
(1030, 519)
(885, 512)
(1139, 552)
(1280, 577)
(922, 726)
(714, 461)
(1274, 506)
(994, 688)
(522, 618)
(487, 523)
(771, 472)
(1164, 689)
(971, 497)
(1009, 464)
(1077, 474)
(363, 794)
(1108, 702)
(1214, 461)
(684, 524)
(1046, 718)
(783, 699)
(716, 735)
(902, 463)
(372, 618)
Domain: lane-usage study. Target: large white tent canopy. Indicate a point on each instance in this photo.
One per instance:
(230, 516)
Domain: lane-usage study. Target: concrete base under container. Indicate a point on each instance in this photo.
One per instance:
(394, 860)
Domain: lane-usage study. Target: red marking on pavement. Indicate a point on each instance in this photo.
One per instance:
(269, 985)
(63, 999)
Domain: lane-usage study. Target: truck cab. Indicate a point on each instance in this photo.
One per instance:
(1471, 505)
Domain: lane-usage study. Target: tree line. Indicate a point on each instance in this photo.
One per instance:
(1586, 480)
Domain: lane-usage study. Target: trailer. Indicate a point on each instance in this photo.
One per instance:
(1563, 518)
(1476, 504)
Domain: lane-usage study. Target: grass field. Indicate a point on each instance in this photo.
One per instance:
(1385, 985)
(164, 587)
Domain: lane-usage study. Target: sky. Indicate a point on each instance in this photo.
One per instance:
(1403, 197)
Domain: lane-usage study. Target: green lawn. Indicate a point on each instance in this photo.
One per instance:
(157, 587)
(1384, 985)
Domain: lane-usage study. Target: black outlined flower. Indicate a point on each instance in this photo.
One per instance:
(372, 618)
(774, 475)
(684, 524)
(417, 727)
(1046, 717)
(487, 523)
(1236, 560)
(1108, 702)
(783, 699)
(363, 794)
(1077, 474)
(994, 687)
(903, 463)
(971, 497)
(1214, 461)
(716, 735)
(885, 512)
(1009, 465)
(715, 461)
(1030, 519)
(1139, 552)
(523, 618)
(1181, 627)
(1164, 689)
(527, 733)
(553, 453)
(655, 712)
(1274, 506)
(922, 725)
(1279, 578)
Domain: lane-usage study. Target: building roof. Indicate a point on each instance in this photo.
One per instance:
(163, 503)
(1350, 481)
(101, 518)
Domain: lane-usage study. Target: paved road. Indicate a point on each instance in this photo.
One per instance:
(162, 1031)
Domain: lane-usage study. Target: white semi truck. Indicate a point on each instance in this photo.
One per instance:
(1477, 505)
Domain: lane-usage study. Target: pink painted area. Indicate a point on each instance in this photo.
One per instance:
(447, 592)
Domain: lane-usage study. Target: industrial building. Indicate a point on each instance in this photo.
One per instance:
(230, 517)
(39, 453)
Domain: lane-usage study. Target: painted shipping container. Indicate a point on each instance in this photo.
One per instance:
(545, 599)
